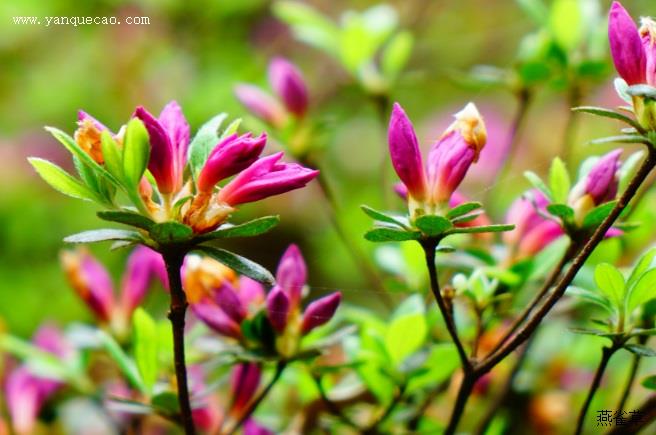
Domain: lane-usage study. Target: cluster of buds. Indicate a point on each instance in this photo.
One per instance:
(634, 54)
(288, 84)
(597, 187)
(94, 286)
(431, 186)
(533, 228)
(26, 392)
(198, 203)
(224, 301)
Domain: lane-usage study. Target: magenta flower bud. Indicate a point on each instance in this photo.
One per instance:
(450, 158)
(602, 181)
(226, 298)
(261, 104)
(169, 139)
(538, 238)
(648, 35)
(287, 81)
(523, 213)
(405, 153)
(251, 427)
(277, 308)
(245, 381)
(251, 292)
(626, 46)
(215, 318)
(90, 281)
(320, 311)
(232, 155)
(266, 177)
(291, 274)
(143, 267)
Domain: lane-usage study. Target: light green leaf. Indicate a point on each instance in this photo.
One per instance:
(309, 25)
(112, 155)
(396, 54)
(535, 9)
(136, 151)
(433, 225)
(537, 182)
(643, 290)
(61, 180)
(643, 264)
(559, 181)
(407, 331)
(145, 347)
(463, 209)
(611, 283)
(203, 143)
(124, 362)
(383, 217)
(566, 23)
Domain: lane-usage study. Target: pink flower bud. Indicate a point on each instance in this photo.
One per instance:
(251, 292)
(626, 46)
(90, 281)
(602, 181)
(648, 34)
(226, 298)
(405, 153)
(169, 139)
(232, 155)
(251, 427)
(245, 381)
(287, 81)
(216, 319)
(261, 104)
(291, 274)
(450, 158)
(538, 238)
(143, 267)
(266, 177)
(320, 311)
(277, 308)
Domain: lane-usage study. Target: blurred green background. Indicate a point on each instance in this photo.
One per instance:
(195, 52)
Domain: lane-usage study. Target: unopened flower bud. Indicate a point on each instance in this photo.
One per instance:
(287, 81)
(320, 311)
(277, 308)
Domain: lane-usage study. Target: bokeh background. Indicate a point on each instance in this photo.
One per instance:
(195, 52)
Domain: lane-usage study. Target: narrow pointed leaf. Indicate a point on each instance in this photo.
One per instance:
(103, 235)
(112, 155)
(559, 181)
(463, 209)
(136, 151)
(625, 138)
(239, 264)
(127, 218)
(537, 182)
(391, 235)
(383, 217)
(247, 229)
(204, 141)
(597, 215)
(640, 350)
(606, 113)
(61, 180)
(483, 229)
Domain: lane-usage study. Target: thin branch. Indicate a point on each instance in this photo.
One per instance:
(178, 308)
(606, 354)
(536, 318)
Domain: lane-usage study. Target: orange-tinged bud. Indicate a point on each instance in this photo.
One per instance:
(202, 275)
(87, 136)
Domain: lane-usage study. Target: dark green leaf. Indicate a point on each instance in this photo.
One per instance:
(466, 218)
(166, 403)
(61, 180)
(597, 215)
(562, 211)
(592, 331)
(247, 229)
(463, 209)
(239, 264)
(127, 218)
(259, 329)
(640, 350)
(103, 235)
(607, 113)
(432, 225)
(482, 229)
(649, 382)
(391, 235)
(171, 232)
(380, 216)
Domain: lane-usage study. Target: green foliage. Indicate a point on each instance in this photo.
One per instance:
(146, 347)
(239, 264)
(251, 228)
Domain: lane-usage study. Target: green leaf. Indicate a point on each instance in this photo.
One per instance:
(535, 9)
(607, 113)
(383, 217)
(597, 215)
(396, 54)
(591, 297)
(145, 347)
(649, 382)
(124, 362)
(231, 128)
(561, 211)
(407, 331)
(432, 225)
(640, 350)
(391, 235)
(203, 143)
(537, 182)
(482, 229)
(127, 218)
(171, 232)
(629, 168)
(103, 235)
(595, 332)
(559, 181)
(239, 264)
(70, 144)
(136, 151)
(463, 209)
(566, 23)
(247, 229)
(643, 290)
(61, 180)
(112, 155)
(623, 138)
(309, 25)
(166, 403)
(643, 264)
(611, 283)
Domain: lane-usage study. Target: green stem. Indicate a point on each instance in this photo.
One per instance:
(178, 308)
(606, 354)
